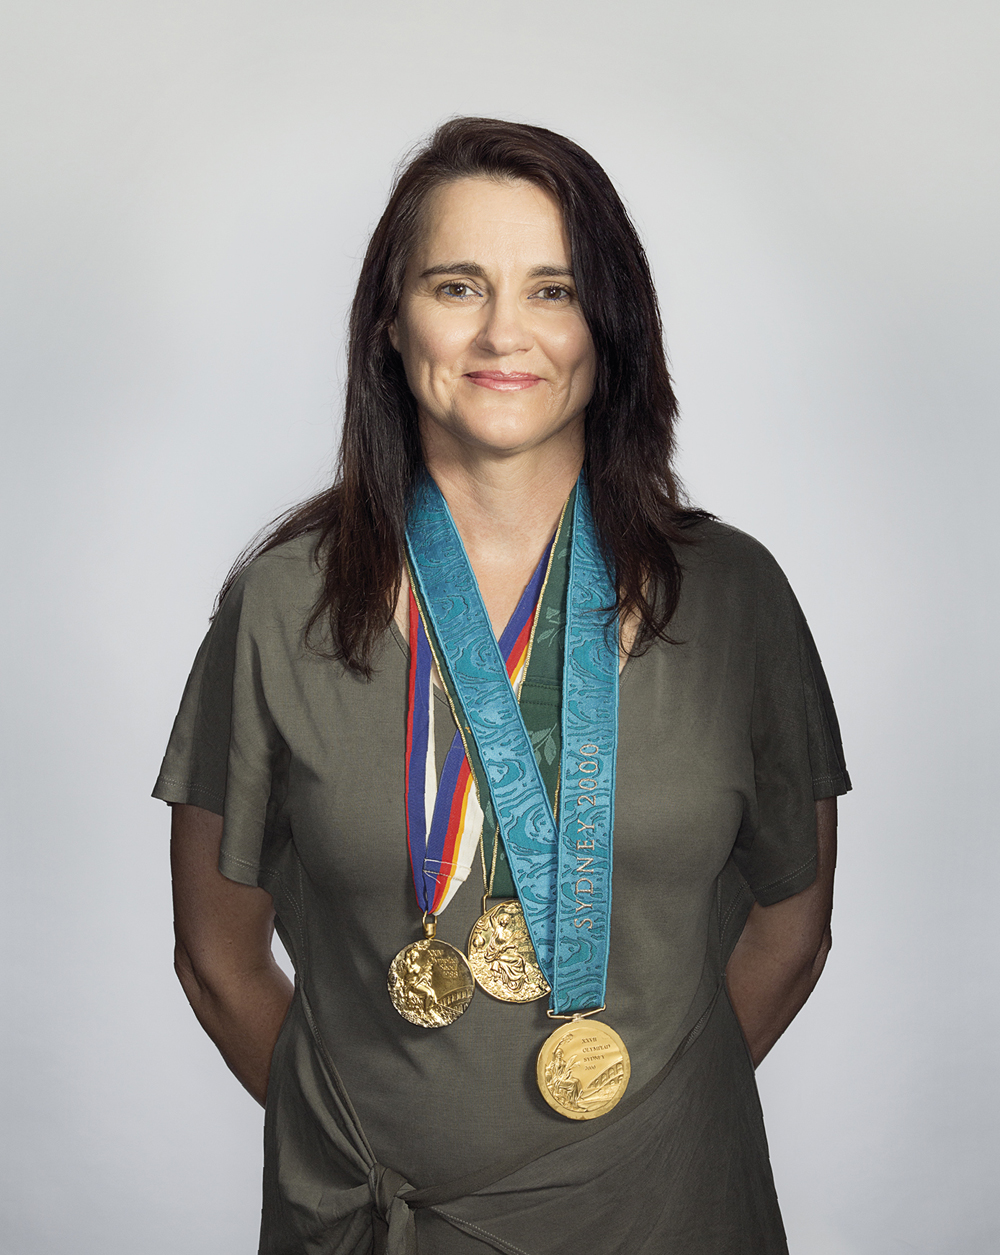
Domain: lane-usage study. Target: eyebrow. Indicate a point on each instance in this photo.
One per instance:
(474, 271)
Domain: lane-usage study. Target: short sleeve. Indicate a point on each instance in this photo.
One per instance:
(797, 752)
(223, 747)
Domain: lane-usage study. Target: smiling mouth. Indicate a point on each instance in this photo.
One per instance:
(502, 381)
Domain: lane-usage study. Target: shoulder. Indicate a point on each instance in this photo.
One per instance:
(282, 583)
(722, 553)
(731, 585)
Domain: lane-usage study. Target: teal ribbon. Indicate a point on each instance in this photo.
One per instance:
(562, 873)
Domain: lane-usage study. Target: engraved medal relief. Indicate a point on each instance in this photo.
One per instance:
(502, 957)
(430, 983)
(583, 1069)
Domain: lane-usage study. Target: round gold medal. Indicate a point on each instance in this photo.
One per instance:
(502, 957)
(583, 1069)
(430, 983)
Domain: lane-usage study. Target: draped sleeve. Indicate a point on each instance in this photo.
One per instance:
(226, 752)
(798, 757)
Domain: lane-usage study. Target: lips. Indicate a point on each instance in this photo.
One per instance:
(503, 381)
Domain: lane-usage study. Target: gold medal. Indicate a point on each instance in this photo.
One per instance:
(583, 1069)
(502, 957)
(430, 982)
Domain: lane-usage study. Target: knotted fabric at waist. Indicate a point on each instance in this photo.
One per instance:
(377, 1213)
(392, 1217)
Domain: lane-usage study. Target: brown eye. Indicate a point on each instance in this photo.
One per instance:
(555, 292)
(458, 290)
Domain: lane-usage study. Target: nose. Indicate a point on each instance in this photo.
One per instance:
(505, 328)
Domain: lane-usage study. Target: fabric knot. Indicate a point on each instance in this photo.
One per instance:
(394, 1226)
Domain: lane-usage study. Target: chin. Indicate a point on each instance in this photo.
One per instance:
(506, 430)
(508, 437)
(502, 429)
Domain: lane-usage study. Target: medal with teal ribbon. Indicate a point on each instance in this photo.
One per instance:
(430, 982)
(561, 868)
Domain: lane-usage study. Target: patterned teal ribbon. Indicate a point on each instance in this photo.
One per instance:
(562, 873)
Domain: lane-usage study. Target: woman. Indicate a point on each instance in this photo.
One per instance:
(505, 479)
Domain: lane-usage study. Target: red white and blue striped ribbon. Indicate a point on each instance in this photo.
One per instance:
(444, 819)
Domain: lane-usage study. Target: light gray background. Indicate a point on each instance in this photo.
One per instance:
(187, 189)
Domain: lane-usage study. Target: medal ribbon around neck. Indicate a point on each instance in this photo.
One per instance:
(444, 818)
(562, 874)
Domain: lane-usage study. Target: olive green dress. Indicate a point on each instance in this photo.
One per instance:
(384, 1136)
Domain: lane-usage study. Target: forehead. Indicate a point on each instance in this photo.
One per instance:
(482, 219)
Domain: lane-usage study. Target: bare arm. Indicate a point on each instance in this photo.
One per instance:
(223, 953)
(781, 951)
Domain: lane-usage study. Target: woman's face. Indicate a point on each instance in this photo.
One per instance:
(495, 346)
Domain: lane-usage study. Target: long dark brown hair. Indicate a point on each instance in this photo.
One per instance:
(639, 512)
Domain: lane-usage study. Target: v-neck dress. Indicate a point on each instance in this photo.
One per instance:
(381, 1135)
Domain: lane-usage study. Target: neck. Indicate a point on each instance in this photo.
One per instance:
(506, 509)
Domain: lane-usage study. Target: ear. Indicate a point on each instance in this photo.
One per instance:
(393, 335)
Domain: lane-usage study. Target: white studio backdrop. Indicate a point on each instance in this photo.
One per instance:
(187, 189)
